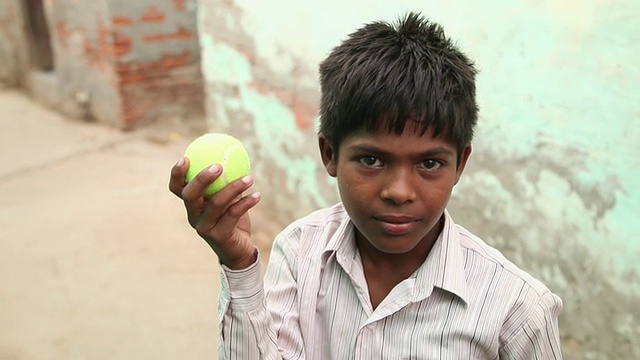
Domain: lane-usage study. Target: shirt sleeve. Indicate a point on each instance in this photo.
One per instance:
(539, 337)
(259, 319)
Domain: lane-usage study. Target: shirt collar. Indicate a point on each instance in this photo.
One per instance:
(342, 243)
(443, 268)
(344, 231)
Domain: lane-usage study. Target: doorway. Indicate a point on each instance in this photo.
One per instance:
(40, 51)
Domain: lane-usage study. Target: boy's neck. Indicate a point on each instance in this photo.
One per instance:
(384, 271)
(401, 265)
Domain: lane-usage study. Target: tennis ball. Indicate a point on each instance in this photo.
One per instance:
(217, 148)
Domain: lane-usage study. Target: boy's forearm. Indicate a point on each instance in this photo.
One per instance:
(248, 336)
(246, 330)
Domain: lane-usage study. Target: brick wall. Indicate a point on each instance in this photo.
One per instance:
(156, 58)
(118, 62)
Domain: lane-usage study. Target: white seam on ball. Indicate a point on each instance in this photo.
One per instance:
(224, 163)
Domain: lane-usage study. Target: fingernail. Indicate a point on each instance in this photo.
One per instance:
(255, 195)
(180, 162)
(214, 169)
(247, 180)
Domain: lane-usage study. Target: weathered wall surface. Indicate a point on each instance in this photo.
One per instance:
(261, 87)
(119, 62)
(553, 178)
(13, 50)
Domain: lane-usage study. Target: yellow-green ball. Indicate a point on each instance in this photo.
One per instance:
(218, 148)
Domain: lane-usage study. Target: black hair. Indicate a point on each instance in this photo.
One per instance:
(383, 75)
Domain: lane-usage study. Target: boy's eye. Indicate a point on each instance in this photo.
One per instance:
(370, 161)
(431, 165)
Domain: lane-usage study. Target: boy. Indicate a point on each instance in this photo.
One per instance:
(385, 274)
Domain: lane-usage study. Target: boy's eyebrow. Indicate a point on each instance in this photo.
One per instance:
(377, 151)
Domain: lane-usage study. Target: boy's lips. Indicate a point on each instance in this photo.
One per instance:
(397, 224)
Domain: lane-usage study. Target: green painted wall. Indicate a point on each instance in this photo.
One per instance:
(553, 180)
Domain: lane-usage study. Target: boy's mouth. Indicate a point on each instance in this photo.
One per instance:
(397, 224)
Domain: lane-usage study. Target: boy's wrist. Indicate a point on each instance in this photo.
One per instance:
(242, 263)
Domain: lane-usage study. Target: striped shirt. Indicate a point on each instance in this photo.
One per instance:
(466, 301)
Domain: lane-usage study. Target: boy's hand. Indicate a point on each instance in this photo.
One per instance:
(222, 220)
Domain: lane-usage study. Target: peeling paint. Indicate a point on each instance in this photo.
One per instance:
(275, 125)
(223, 64)
(276, 130)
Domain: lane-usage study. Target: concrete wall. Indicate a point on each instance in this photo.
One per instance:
(553, 178)
(118, 62)
(13, 44)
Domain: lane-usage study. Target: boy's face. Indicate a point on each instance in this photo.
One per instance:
(395, 187)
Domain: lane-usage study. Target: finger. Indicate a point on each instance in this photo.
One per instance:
(177, 180)
(237, 210)
(228, 221)
(217, 206)
(194, 189)
(193, 192)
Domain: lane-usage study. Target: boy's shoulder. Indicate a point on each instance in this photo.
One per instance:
(326, 218)
(520, 295)
(481, 255)
(314, 232)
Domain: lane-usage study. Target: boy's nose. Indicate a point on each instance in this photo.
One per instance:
(398, 188)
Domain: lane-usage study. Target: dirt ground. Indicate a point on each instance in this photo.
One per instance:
(97, 260)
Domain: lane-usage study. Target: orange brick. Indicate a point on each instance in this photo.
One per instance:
(153, 15)
(122, 21)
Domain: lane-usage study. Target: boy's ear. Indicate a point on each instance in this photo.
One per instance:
(329, 156)
(463, 161)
